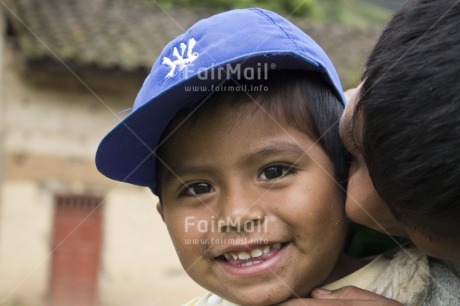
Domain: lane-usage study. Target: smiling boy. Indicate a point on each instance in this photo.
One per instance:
(267, 187)
(251, 184)
(246, 181)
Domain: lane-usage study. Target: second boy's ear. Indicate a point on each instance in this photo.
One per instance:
(160, 210)
(353, 93)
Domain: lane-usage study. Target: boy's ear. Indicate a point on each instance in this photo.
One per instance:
(160, 210)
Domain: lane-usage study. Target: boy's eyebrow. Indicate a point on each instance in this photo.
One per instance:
(174, 173)
(278, 148)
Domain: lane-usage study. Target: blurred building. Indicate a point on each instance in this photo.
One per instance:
(69, 69)
(68, 235)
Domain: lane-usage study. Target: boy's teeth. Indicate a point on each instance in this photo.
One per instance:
(254, 253)
(244, 255)
(250, 263)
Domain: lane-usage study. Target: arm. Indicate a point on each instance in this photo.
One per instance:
(346, 296)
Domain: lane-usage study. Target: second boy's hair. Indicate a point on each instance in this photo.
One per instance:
(410, 106)
(302, 100)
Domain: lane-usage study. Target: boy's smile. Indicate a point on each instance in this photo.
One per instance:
(251, 260)
(251, 205)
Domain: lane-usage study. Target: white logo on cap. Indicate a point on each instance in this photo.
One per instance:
(180, 60)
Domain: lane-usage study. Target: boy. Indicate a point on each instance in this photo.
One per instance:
(245, 44)
(402, 128)
(247, 181)
(256, 193)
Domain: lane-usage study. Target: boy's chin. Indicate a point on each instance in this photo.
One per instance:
(263, 297)
(265, 302)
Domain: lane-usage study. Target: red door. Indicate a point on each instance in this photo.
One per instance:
(76, 250)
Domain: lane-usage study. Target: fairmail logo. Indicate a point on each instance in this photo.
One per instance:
(228, 224)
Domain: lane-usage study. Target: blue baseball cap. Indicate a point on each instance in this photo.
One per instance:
(232, 45)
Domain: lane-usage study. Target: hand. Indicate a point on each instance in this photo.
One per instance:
(346, 296)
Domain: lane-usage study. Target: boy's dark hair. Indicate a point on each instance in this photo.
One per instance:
(303, 100)
(410, 106)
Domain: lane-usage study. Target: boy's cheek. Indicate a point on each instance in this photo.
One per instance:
(186, 226)
(364, 206)
(184, 238)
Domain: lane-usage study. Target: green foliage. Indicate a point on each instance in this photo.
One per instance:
(299, 8)
(354, 13)
(347, 12)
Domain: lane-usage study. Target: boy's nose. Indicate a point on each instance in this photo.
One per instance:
(241, 210)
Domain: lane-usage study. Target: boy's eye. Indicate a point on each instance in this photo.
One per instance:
(197, 189)
(274, 172)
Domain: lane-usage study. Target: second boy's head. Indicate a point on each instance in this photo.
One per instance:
(406, 125)
(236, 130)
